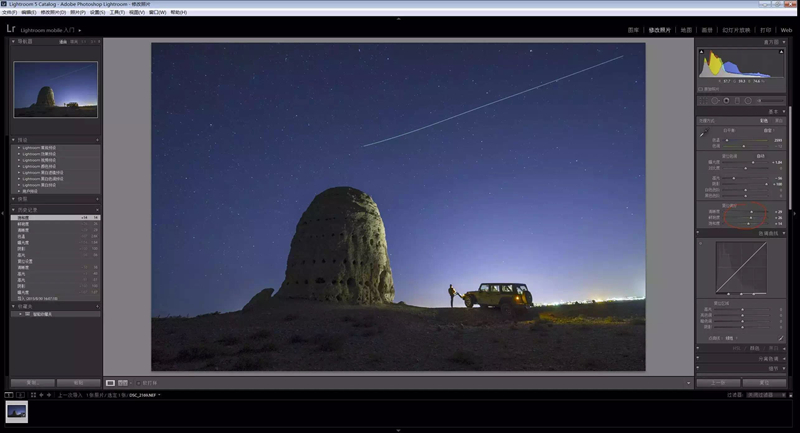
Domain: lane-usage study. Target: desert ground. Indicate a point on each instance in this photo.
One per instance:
(299, 335)
(87, 111)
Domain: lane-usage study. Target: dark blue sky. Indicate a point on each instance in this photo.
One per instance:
(70, 81)
(18, 408)
(547, 188)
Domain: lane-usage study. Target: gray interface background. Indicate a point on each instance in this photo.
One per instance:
(670, 221)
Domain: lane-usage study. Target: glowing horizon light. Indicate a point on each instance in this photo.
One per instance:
(80, 104)
(589, 301)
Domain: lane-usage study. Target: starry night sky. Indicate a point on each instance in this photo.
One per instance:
(547, 188)
(70, 81)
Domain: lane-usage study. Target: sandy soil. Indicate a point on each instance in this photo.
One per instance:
(56, 112)
(296, 335)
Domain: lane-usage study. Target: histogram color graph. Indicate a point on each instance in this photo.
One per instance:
(745, 64)
(742, 268)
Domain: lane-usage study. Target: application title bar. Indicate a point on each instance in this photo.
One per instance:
(400, 8)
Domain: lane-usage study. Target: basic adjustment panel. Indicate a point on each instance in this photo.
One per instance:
(741, 210)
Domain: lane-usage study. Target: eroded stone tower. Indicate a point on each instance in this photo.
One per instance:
(46, 97)
(339, 251)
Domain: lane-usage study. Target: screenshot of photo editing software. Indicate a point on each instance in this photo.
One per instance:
(399, 215)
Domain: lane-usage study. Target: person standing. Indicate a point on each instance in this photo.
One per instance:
(452, 292)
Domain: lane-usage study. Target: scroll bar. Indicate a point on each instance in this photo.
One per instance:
(790, 160)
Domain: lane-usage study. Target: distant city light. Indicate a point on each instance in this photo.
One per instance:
(589, 301)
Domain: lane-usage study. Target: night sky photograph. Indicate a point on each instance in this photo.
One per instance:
(512, 162)
(70, 81)
(16, 410)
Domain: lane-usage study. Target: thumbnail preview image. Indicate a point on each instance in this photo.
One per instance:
(55, 89)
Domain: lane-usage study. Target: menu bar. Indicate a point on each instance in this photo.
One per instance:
(399, 8)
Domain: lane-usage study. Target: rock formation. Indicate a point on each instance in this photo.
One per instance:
(259, 300)
(339, 251)
(46, 98)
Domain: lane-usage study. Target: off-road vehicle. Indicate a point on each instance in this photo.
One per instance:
(503, 295)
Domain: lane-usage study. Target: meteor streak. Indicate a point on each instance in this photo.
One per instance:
(70, 73)
(492, 103)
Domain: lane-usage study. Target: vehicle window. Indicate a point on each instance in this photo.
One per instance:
(506, 289)
(483, 288)
(494, 288)
(523, 287)
(518, 289)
